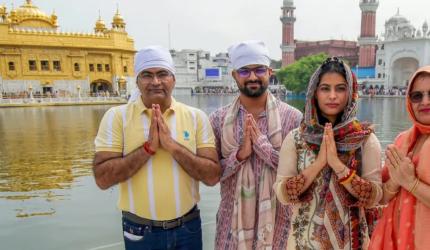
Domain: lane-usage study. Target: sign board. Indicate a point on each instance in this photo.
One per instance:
(213, 74)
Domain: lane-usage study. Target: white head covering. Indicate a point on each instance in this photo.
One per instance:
(247, 53)
(153, 57)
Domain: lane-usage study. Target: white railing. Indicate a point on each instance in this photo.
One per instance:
(65, 100)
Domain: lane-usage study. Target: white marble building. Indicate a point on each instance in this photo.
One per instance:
(191, 68)
(401, 51)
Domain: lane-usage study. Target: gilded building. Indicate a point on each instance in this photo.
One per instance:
(36, 55)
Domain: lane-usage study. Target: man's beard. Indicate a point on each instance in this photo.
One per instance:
(253, 92)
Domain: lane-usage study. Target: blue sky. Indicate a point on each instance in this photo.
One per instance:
(214, 25)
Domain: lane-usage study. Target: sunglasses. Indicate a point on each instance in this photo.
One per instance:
(246, 72)
(418, 96)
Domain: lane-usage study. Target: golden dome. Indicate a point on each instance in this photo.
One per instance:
(28, 11)
(118, 19)
(54, 19)
(118, 22)
(100, 25)
(2, 9)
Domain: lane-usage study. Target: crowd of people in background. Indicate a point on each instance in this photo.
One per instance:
(214, 90)
(55, 94)
(381, 90)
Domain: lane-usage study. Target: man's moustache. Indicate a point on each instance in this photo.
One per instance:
(257, 81)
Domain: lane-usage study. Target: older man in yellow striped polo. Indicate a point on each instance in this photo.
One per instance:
(157, 150)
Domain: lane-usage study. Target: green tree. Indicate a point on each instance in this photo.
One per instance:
(295, 77)
(275, 64)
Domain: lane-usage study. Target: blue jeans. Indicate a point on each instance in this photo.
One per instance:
(140, 237)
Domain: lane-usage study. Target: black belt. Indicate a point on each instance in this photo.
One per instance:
(166, 224)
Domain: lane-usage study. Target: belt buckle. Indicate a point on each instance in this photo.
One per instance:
(176, 223)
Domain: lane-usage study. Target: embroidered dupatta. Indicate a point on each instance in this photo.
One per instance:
(349, 135)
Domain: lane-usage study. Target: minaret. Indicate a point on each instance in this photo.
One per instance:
(288, 19)
(425, 28)
(368, 40)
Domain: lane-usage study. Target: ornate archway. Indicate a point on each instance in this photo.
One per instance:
(100, 86)
(401, 71)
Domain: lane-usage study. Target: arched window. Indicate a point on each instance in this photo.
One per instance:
(56, 65)
(76, 66)
(32, 66)
(11, 66)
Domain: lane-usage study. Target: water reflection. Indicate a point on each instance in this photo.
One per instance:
(387, 114)
(44, 151)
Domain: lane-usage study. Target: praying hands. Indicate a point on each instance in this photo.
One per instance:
(251, 135)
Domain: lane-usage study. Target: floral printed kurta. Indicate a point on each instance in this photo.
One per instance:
(314, 224)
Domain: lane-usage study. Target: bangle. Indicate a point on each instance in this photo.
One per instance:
(388, 190)
(348, 178)
(148, 149)
(343, 170)
(414, 186)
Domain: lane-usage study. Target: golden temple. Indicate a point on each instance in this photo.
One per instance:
(36, 55)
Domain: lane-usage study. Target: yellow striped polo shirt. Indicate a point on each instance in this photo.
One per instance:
(161, 189)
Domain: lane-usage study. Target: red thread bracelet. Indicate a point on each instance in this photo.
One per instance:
(348, 178)
(147, 148)
(348, 174)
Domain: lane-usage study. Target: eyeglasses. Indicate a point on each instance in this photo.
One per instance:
(149, 77)
(418, 96)
(246, 72)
